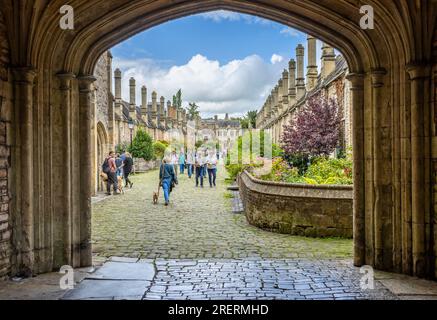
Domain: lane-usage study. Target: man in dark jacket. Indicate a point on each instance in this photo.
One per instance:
(166, 177)
(128, 164)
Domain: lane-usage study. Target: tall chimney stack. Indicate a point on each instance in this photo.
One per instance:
(162, 111)
(292, 82)
(117, 95)
(144, 101)
(285, 90)
(328, 60)
(312, 71)
(132, 107)
(300, 80)
(280, 96)
(154, 112)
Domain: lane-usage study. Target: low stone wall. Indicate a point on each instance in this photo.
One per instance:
(298, 209)
(141, 165)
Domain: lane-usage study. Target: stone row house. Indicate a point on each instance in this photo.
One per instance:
(116, 121)
(293, 91)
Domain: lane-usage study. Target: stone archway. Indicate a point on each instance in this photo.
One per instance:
(391, 89)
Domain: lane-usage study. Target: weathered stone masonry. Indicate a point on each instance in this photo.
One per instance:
(304, 210)
(5, 106)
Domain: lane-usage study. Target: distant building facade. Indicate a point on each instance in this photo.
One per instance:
(114, 118)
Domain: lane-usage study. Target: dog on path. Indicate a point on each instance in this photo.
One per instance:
(120, 184)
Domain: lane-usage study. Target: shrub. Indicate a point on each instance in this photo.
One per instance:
(315, 131)
(330, 171)
(159, 149)
(142, 146)
(283, 172)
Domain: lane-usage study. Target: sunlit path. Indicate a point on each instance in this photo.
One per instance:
(197, 224)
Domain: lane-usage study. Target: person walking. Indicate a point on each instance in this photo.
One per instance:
(199, 165)
(182, 162)
(110, 168)
(119, 163)
(212, 168)
(174, 160)
(167, 177)
(190, 163)
(128, 164)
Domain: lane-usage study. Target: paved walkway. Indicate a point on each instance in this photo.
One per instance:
(198, 224)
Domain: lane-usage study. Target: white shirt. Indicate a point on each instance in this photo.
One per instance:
(212, 162)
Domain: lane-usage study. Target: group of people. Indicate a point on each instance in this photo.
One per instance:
(117, 168)
(200, 163)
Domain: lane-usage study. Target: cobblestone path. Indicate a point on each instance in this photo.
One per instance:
(198, 224)
(197, 249)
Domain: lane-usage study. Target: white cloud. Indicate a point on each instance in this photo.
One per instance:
(276, 58)
(225, 15)
(234, 87)
(290, 32)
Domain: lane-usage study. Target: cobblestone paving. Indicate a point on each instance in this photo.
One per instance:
(201, 250)
(260, 279)
(198, 224)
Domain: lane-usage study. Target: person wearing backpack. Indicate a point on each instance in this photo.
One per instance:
(167, 178)
(110, 168)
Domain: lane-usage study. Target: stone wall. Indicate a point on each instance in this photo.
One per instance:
(5, 120)
(305, 210)
(141, 165)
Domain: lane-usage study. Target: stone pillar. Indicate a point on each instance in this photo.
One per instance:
(144, 101)
(292, 82)
(420, 182)
(312, 71)
(300, 80)
(23, 205)
(132, 100)
(117, 83)
(62, 183)
(357, 92)
(381, 175)
(85, 159)
(328, 61)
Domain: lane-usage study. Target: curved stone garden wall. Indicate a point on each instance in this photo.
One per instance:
(306, 210)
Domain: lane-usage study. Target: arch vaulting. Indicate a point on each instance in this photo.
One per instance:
(393, 94)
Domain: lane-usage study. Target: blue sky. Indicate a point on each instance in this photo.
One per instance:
(224, 61)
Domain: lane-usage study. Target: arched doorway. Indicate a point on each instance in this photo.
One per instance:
(390, 76)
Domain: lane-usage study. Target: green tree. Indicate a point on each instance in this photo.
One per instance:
(177, 99)
(142, 146)
(249, 118)
(193, 110)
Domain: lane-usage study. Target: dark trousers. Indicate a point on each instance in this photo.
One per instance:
(199, 175)
(212, 175)
(126, 178)
(112, 180)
